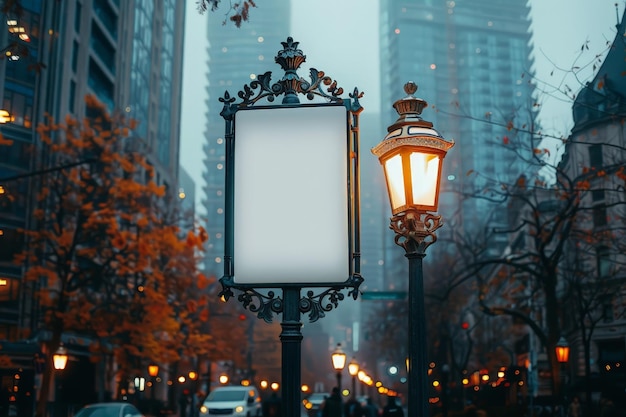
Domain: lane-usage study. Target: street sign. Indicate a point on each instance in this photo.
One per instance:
(383, 295)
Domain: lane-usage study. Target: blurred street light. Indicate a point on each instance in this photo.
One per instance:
(339, 362)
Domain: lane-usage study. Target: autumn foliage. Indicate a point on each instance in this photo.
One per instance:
(106, 251)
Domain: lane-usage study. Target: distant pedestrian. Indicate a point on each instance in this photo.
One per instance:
(392, 409)
(272, 406)
(353, 408)
(574, 409)
(183, 403)
(333, 405)
(371, 409)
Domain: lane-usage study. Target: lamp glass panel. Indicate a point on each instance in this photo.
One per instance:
(353, 368)
(339, 360)
(60, 361)
(424, 177)
(291, 214)
(562, 354)
(395, 181)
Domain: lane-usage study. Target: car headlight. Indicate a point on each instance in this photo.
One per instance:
(204, 409)
(239, 409)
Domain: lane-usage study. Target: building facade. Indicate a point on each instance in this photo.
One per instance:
(126, 54)
(596, 156)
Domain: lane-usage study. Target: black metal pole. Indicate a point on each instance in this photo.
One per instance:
(354, 385)
(152, 407)
(291, 340)
(339, 380)
(418, 381)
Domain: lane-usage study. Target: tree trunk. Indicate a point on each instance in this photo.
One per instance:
(48, 375)
(554, 333)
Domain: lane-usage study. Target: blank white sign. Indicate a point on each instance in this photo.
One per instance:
(291, 196)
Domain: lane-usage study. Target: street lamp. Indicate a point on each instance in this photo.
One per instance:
(412, 155)
(153, 371)
(562, 356)
(59, 360)
(562, 350)
(339, 362)
(353, 369)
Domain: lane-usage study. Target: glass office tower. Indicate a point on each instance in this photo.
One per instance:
(236, 56)
(472, 63)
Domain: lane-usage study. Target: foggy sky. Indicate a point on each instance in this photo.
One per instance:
(341, 39)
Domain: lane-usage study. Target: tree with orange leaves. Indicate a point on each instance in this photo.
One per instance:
(107, 258)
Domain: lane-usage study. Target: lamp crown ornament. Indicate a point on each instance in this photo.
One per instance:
(410, 107)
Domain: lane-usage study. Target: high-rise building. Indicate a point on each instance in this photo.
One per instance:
(471, 62)
(129, 56)
(236, 57)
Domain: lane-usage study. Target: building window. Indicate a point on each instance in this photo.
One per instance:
(599, 215)
(107, 16)
(595, 156)
(103, 48)
(75, 56)
(603, 258)
(10, 244)
(597, 195)
(100, 83)
(607, 310)
(9, 289)
(72, 96)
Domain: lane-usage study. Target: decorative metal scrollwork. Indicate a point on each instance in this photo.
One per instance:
(229, 109)
(415, 230)
(317, 305)
(290, 58)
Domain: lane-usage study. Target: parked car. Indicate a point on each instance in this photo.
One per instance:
(232, 401)
(313, 403)
(114, 409)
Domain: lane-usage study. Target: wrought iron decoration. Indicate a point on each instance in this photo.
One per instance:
(290, 86)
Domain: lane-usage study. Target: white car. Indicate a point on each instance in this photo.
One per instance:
(232, 401)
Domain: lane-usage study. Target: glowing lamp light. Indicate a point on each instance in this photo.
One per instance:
(153, 370)
(339, 358)
(562, 350)
(5, 116)
(412, 156)
(60, 358)
(353, 367)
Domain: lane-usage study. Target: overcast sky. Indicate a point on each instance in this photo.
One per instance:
(340, 37)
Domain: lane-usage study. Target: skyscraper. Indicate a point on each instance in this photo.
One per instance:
(236, 57)
(471, 62)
